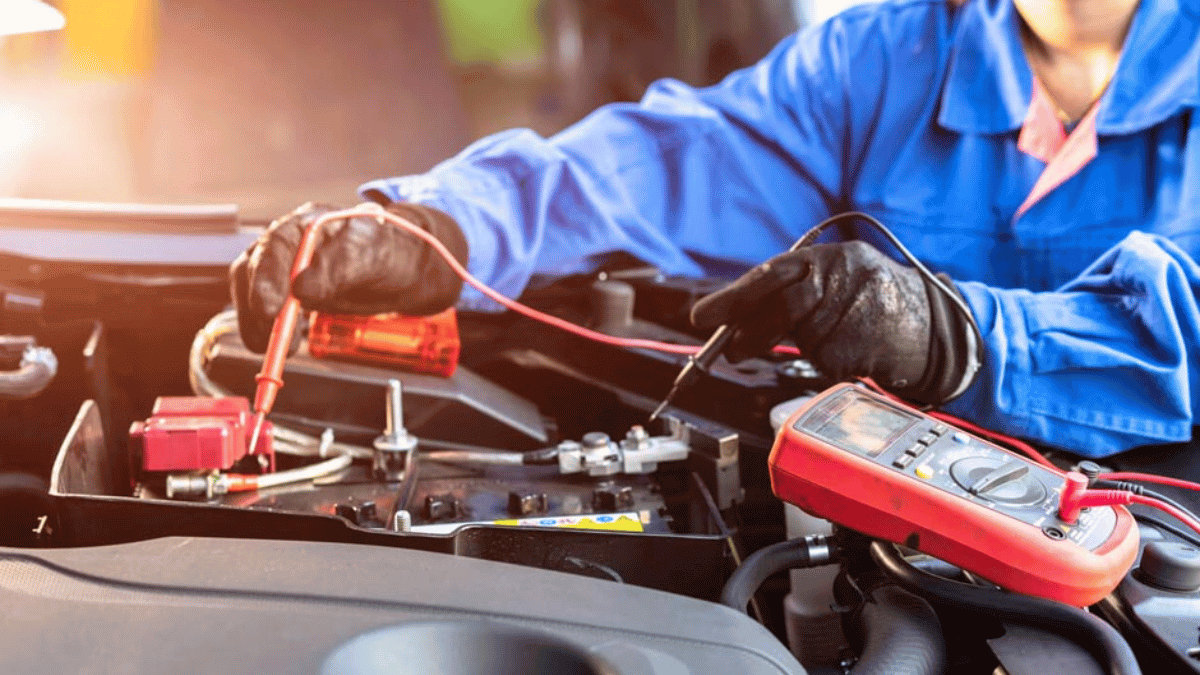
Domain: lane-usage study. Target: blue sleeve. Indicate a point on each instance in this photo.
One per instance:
(1108, 362)
(694, 181)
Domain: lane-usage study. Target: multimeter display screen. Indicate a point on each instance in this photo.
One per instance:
(864, 426)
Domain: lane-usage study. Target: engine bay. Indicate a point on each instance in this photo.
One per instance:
(522, 502)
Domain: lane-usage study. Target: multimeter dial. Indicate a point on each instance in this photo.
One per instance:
(999, 480)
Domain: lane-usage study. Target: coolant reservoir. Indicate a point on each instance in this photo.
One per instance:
(814, 631)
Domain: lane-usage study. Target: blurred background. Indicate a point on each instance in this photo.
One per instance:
(268, 103)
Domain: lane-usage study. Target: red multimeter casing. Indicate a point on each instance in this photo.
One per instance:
(888, 471)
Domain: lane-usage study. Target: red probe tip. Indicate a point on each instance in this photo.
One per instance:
(259, 418)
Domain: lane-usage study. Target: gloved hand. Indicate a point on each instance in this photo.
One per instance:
(360, 266)
(852, 311)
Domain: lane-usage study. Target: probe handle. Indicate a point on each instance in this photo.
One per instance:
(716, 344)
(270, 378)
(700, 361)
(703, 359)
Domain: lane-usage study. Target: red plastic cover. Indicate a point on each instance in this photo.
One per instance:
(193, 433)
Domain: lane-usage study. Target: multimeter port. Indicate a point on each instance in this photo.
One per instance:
(892, 472)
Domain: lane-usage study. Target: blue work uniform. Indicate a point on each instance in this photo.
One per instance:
(1075, 252)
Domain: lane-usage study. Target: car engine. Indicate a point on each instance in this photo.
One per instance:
(472, 493)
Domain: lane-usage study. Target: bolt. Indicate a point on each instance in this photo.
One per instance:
(186, 487)
(395, 408)
(595, 439)
(193, 487)
(402, 521)
(392, 448)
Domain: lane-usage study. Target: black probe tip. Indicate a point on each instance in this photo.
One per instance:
(700, 361)
(665, 402)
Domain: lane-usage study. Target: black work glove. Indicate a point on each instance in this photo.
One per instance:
(360, 266)
(852, 311)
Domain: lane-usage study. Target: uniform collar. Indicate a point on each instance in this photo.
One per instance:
(989, 85)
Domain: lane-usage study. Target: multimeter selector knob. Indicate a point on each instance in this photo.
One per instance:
(998, 479)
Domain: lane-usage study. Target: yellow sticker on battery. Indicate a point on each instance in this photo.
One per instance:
(618, 522)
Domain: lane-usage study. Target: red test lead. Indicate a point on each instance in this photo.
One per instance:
(1076, 497)
(270, 378)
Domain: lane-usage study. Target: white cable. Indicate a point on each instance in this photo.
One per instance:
(221, 324)
(287, 441)
(299, 443)
(468, 457)
(304, 473)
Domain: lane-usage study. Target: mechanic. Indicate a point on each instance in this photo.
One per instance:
(1038, 152)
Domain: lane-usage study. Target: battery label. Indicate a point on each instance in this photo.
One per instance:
(631, 521)
(621, 522)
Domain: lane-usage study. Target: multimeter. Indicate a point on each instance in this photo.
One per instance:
(876, 466)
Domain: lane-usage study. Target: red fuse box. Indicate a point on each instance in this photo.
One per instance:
(427, 344)
(193, 433)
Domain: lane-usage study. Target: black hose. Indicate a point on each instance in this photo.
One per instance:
(1189, 537)
(901, 636)
(758, 566)
(1101, 640)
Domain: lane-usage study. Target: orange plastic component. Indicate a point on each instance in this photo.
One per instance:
(418, 344)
